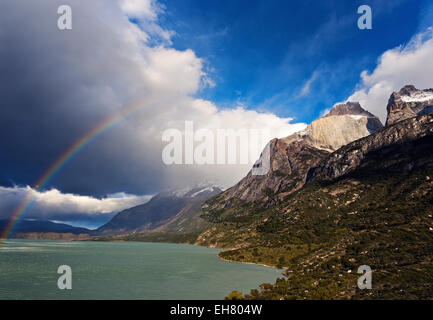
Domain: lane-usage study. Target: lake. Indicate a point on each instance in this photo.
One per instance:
(123, 270)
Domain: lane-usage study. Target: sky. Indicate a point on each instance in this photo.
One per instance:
(265, 52)
(221, 64)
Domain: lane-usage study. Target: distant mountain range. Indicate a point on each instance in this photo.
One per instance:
(176, 211)
(169, 211)
(36, 226)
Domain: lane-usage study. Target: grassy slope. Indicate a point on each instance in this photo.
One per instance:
(325, 231)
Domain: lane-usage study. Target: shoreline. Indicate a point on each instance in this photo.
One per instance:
(283, 270)
(244, 262)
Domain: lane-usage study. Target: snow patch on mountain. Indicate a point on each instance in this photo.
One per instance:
(357, 117)
(420, 96)
(210, 189)
(407, 103)
(193, 191)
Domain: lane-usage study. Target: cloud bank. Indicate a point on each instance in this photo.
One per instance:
(407, 64)
(57, 206)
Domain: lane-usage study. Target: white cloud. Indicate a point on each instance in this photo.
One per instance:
(172, 79)
(325, 112)
(146, 13)
(409, 64)
(53, 203)
(143, 9)
(172, 72)
(307, 86)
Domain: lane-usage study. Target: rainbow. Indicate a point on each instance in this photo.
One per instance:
(63, 160)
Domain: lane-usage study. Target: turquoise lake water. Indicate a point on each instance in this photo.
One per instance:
(123, 270)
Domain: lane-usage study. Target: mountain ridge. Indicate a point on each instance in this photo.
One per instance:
(350, 156)
(42, 226)
(291, 157)
(407, 103)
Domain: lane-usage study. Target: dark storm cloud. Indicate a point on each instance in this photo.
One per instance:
(57, 85)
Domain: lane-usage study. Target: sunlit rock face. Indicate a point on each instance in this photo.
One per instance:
(343, 124)
(407, 103)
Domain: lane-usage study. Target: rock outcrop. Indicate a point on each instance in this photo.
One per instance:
(352, 156)
(289, 161)
(407, 103)
(343, 124)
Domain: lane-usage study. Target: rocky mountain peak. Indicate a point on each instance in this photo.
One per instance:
(346, 122)
(348, 108)
(407, 103)
(407, 90)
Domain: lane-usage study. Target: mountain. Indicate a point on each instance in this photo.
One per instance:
(385, 144)
(368, 203)
(379, 214)
(169, 211)
(35, 226)
(292, 157)
(409, 102)
(343, 124)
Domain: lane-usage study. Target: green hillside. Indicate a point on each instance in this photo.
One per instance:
(379, 215)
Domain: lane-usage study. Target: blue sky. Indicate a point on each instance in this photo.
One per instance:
(262, 53)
